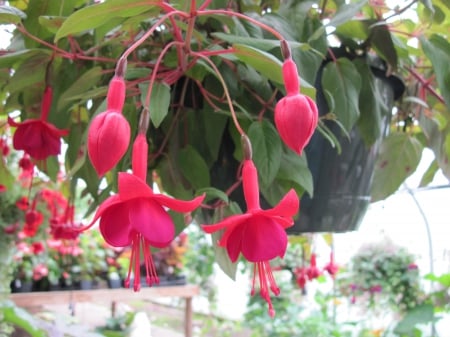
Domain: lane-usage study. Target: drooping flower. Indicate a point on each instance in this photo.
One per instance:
(37, 137)
(296, 115)
(109, 131)
(137, 216)
(331, 267)
(313, 271)
(259, 235)
(301, 277)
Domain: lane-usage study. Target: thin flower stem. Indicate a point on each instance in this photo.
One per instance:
(426, 84)
(241, 16)
(147, 34)
(226, 92)
(155, 72)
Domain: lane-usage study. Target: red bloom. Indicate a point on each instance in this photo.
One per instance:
(296, 115)
(136, 216)
(109, 132)
(33, 219)
(3, 188)
(301, 277)
(37, 137)
(258, 234)
(22, 203)
(37, 247)
(312, 271)
(332, 268)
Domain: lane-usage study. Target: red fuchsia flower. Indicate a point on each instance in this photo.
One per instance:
(37, 137)
(4, 148)
(11, 229)
(37, 247)
(109, 132)
(332, 268)
(25, 163)
(137, 216)
(3, 188)
(301, 277)
(312, 271)
(296, 115)
(22, 203)
(258, 234)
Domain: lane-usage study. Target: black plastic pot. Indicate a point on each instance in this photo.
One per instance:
(342, 182)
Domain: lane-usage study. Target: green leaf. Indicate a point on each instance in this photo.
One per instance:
(10, 59)
(371, 104)
(159, 101)
(399, 157)
(213, 193)
(222, 258)
(20, 318)
(10, 14)
(193, 167)
(261, 44)
(342, 80)
(6, 177)
(346, 12)
(267, 150)
(268, 65)
(52, 23)
(381, 40)
(80, 86)
(429, 174)
(437, 49)
(428, 4)
(294, 168)
(96, 15)
(421, 314)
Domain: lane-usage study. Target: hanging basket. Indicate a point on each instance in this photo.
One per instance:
(342, 182)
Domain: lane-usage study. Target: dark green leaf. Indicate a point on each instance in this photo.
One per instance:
(159, 101)
(80, 87)
(94, 16)
(30, 72)
(267, 150)
(381, 40)
(9, 14)
(437, 49)
(193, 167)
(371, 105)
(294, 168)
(342, 80)
(399, 157)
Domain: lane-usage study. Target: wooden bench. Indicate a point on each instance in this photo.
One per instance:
(34, 299)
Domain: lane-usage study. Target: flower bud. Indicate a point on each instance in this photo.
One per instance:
(116, 94)
(296, 115)
(108, 139)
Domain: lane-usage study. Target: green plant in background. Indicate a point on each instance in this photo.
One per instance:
(383, 275)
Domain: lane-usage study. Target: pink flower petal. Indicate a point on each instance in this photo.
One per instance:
(234, 242)
(131, 187)
(287, 207)
(263, 239)
(152, 221)
(176, 205)
(115, 226)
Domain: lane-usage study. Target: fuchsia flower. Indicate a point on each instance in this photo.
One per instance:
(137, 216)
(258, 234)
(312, 271)
(296, 115)
(109, 132)
(37, 137)
(332, 268)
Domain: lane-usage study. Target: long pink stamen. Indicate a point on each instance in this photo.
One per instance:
(152, 277)
(266, 282)
(137, 262)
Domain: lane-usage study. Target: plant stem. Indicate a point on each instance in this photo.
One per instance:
(426, 84)
(225, 90)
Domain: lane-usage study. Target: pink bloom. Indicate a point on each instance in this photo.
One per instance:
(37, 247)
(137, 216)
(109, 132)
(332, 268)
(296, 115)
(22, 203)
(301, 277)
(258, 234)
(3, 188)
(312, 271)
(37, 137)
(40, 271)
